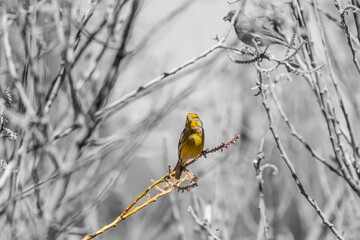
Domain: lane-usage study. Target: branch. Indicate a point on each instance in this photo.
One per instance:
(127, 98)
(163, 191)
(291, 166)
(297, 135)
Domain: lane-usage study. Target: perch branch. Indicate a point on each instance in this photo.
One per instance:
(128, 212)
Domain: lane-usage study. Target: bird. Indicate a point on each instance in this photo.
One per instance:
(191, 142)
(259, 30)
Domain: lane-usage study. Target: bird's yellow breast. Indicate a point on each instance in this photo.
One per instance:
(192, 147)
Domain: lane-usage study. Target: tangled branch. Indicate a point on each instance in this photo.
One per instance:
(290, 165)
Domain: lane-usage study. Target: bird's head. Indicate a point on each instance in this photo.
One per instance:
(193, 122)
(229, 16)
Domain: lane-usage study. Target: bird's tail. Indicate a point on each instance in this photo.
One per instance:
(179, 169)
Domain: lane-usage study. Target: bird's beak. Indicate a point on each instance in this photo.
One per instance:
(191, 119)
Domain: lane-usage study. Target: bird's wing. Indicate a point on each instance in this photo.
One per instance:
(267, 29)
(181, 141)
(264, 33)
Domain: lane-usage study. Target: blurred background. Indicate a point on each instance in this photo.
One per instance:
(72, 160)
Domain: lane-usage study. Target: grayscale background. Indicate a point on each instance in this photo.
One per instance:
(94, 96)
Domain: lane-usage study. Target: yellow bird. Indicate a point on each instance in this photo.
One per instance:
(191, 142)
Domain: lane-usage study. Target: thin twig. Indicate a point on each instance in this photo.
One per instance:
(345, 27)
(334, 82)
(263, 224)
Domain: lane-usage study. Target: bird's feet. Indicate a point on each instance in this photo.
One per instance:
(204, 153)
